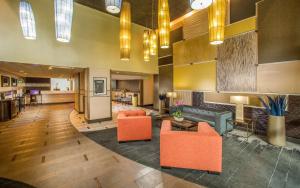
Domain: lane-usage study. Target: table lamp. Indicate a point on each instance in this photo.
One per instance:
(240, 101)
(171, 95)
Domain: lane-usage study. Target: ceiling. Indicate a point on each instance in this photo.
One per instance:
(41, 71)
(142, 9)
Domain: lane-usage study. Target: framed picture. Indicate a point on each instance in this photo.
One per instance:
(5, 81)
(100, 86)
(14, 82)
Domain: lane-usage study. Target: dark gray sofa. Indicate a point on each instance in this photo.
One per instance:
(216, 119)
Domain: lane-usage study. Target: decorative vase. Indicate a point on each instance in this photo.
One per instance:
(276, 130)
(179, 119)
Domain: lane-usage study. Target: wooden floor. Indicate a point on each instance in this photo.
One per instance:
(43, 149)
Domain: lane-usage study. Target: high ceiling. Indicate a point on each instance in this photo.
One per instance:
(142, 9)
(41, 71)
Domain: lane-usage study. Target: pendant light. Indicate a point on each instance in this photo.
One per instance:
(216, 19)
(125, 31)
(63, 19)
(164, 23)
(153, 35)
(153, 43)
(200, 4)
(113, 6)
(27, 20)
(146, 45)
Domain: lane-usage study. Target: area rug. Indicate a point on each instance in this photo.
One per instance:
(245, 164)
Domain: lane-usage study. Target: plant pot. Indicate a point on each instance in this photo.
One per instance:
(276, 130)
(179, 119)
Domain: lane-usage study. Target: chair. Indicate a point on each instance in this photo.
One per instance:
(134, 125)
(200, 150)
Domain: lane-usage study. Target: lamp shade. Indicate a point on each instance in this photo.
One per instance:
(164, 23)
(172, 95)
(200, 4)
(125, 31)
(63, 19)
(239, 99)
(27, 20)
(216, 21)
(146, 45)
(113, 6)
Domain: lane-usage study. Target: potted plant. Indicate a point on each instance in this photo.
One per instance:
(162, 97)
(276, 108)
(178, 113)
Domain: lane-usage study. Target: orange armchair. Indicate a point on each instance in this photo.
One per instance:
(200, 150)
(134, 125)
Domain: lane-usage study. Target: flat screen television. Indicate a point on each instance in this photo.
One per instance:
(34, 92)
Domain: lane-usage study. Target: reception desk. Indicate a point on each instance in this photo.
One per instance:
(52, 97)
(9, 109)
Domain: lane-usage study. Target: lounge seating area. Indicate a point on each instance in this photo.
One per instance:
(150, 93)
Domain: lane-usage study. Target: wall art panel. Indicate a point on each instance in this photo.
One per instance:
(237, 61)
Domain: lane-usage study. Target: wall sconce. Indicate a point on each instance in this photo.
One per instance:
(240, 101)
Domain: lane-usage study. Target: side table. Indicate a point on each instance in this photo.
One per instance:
(249, 123)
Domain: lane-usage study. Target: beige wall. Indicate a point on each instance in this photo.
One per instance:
(94, 42)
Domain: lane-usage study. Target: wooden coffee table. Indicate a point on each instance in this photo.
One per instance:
(182, 125)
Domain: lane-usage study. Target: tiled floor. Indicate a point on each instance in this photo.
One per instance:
(43, 149)
(250, 163)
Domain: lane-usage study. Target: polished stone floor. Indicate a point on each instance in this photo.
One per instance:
(41, 148)
(245, 164)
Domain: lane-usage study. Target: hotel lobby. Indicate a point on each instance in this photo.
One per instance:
(149, 93)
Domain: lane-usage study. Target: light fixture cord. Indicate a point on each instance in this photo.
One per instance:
(152, 14)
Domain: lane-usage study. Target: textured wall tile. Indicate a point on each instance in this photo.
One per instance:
(237, 60)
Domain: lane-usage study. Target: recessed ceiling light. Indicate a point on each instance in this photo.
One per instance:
(200, 4)
(113, 6)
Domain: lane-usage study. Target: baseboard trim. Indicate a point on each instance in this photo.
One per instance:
(98, 120)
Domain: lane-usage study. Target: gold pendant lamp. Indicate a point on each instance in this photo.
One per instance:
(125, 31)
(216, 19)
(146, 45)
(153, 43)
(164, 23)
(153, 35)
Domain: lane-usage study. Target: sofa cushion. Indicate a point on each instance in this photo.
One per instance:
(194, 110)
(199, 118)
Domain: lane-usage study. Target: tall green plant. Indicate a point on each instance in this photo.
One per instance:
(275, 106)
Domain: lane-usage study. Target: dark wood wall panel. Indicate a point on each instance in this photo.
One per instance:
(175, 36)
(278, 30)
(242, 9)
(130, 85)
(165, 78)
(236, 66)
